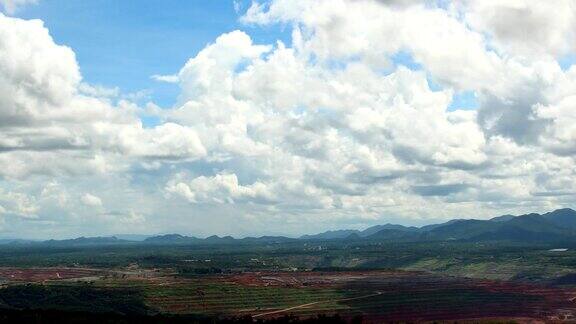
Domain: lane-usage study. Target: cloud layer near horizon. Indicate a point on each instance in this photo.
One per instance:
(331, 130)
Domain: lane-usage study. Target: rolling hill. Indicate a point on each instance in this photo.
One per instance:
(555, 226)
(559, 225)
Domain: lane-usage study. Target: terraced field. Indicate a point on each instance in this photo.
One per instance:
(376, 295)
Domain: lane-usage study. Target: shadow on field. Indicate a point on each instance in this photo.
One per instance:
(424, 297)
(63, 317)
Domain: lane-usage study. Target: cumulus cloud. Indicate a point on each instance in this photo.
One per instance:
(367, 29)
(222, 188)
(375, 130)
(48, 114)
(329, 128)
(525, 27)
(19, 204)
(91, 200)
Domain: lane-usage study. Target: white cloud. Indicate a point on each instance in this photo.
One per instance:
(133, 218)
(351, 136)
(525, 27)
(98, 91)
(212, 68)
(165, 78)
(341, 29)
(19, 204)
(91, 200)
(49, 115)
(11, 6)
(222, 188)
(166, 141)
(327, 129)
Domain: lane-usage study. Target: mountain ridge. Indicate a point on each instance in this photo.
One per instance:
(557, 225)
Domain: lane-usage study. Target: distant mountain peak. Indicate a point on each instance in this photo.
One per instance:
(328, 235)
(555, 226)
(503, 218)
(564, 211)
(82, 240)
(166, 238)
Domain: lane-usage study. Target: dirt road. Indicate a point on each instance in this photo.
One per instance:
(314, 303)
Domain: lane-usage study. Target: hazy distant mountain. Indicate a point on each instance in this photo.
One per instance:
(214, 239)
(526, 228)
(16, 241)
(556, 226)
(132, 237)
(394, 235)
(330, 235)
(459, 230)
(170, 238)
(433, 226)
(503, 218)
(348, 234)
(268, 239)
(375, 229)
(562, 217)
(87, 241)
(559, 225)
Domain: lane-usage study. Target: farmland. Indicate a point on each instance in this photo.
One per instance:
(374, 295)
(375, 282)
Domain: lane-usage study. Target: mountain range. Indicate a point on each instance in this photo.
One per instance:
(556, 226)
(559, 225)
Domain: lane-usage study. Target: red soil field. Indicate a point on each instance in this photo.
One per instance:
(311, 279)
(416, 296)
(379, 296)
(43, 274)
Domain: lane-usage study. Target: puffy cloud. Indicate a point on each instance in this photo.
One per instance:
(219, 189)
(351, 136)
(47, 114)
(37, 77)
(525, 27)
(328, 129)
(167, 141)
(91, 200)
(211, 69)
(54, 126)
(18, 204)
(559, 135)
(366, 29)
(350, 140)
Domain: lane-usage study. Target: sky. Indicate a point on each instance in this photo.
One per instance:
(281, 117)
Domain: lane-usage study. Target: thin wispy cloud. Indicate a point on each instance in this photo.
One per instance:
(11, 6)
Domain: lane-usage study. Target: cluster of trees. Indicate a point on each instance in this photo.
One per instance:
(77, 298)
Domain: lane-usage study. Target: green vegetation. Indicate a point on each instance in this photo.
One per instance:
(72, 298)
(494, 260)
(217, 281)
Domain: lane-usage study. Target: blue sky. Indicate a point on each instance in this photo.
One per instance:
(122, 43)
(236, 157)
